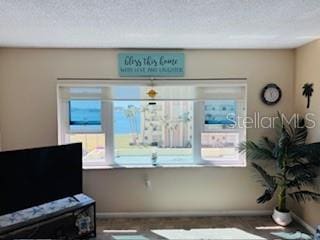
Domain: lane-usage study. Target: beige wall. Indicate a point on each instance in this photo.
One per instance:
(308, 71)
(28, 119)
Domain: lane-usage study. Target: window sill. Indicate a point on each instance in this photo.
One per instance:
(106, 167)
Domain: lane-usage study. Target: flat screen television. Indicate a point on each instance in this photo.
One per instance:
(31, 177)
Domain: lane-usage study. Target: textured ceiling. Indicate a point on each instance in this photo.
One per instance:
(159, 23)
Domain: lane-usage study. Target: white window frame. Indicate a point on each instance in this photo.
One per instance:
(107, 112)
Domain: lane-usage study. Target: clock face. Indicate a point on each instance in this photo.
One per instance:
(271, 94)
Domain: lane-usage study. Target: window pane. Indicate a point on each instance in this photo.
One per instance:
(127, 92)
(219, 114)
(220, 136)
(85, 115)
(220, 147)
(157, 132)
(93, 146)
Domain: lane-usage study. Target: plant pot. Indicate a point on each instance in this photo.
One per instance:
(282, 218)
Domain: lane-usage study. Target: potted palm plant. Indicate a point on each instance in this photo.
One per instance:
(293, 163)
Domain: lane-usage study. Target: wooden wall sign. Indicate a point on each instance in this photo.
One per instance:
(151, 64)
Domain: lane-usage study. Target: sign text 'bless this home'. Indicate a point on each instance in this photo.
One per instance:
(151, 64)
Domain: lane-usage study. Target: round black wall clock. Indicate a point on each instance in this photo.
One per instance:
(271, 94)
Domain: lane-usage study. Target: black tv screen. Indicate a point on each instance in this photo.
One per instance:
(31, 177)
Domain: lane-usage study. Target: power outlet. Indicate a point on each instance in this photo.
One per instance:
(147, 183)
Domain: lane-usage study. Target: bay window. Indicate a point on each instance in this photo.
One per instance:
(186, 124)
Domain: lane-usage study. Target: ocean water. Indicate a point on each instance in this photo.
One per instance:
(88, 113)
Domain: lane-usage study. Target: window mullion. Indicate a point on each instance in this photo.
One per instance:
(64, 121)
(197, 127)
(107, 121)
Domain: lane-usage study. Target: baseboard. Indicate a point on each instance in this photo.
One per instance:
(303, 223)
(102, 215)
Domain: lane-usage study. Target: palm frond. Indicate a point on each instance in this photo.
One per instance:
(301, 180)
(303, 196)
(295, 129)
(282, 143)
(300, 133)
(278, 124)
(301, 169)
(310, 152)
(268, 181)
(265, 141)
(284, 138)
(265, 197)
(255, 151)
(281, 148)
(290, 128)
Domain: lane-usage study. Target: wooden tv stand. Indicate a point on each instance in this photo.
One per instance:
(68, 218)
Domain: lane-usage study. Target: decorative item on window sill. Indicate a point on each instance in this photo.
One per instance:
(154, 157)
(307, 92)
(152, 93)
